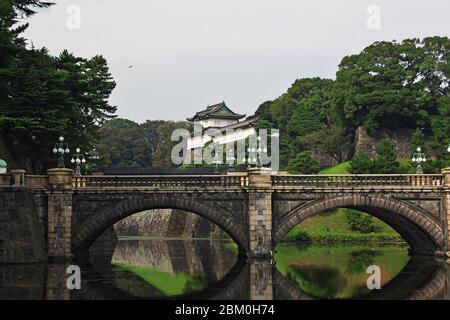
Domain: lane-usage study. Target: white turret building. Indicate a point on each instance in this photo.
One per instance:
(223, 119)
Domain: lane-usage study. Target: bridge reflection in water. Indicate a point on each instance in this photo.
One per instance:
(201, 269)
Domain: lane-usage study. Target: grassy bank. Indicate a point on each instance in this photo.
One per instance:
(332, 226)
(340, 168)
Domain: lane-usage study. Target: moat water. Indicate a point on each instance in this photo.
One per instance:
(210, 269)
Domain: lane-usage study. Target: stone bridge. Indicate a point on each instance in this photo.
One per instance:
(256, 208)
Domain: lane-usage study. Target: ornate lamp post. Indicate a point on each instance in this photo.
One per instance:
(61, 148)
(262, 150)
(419, 157)
(94, 156)
(255, 153)
(78, 158)
(231, 158)
(217, 160)
(251, 159)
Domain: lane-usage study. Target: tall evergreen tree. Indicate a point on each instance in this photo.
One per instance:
(123, 143)
(386, 162)
(42, 97)
(393, 84)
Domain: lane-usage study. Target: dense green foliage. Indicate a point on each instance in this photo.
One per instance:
(159, 133)
(385, 162)
(358, 221)
(123, 143)
(304, 163)
(389, 84)
(42, 96)
(394, 84)
(361, 163)
(304, 109)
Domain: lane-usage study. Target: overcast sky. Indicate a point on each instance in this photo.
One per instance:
(187, 54)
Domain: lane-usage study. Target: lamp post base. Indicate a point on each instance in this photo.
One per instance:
(419, 169)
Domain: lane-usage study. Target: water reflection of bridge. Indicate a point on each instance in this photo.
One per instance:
(256, 279)
(420, 279)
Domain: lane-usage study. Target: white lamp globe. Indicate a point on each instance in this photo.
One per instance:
(78, 150)
(67, 150)
(73, 160)
(78, 161)
(61, 138)
(55, 150)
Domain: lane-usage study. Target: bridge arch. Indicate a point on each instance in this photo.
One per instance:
(423, 234)
(104, 218)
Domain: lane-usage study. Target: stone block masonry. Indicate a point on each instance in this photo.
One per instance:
(167, 223)
(367, 143)
(21, 239)
(59, 244)
(260, 214)
(59, 215)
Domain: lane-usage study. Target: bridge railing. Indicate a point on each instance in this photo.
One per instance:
(36, 181)
(348, 180)
(29, 181)
(5, 180)
(160, 181)
(238, 181)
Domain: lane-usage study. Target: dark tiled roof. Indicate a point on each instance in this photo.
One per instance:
(219, 110)
(248, 122)
(245, 123)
